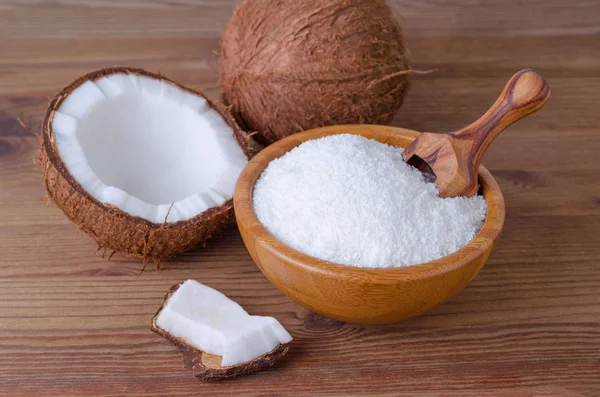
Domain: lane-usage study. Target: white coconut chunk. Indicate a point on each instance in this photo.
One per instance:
(148, 147)
(206, 319)
(200, 104)
(85, 97)
(187, 207)
(204, 196)
(64, 126)
(149, 85)
(174, 93)
(113, 85)
(135, 81)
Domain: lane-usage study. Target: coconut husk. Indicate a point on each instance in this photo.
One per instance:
(288, 65)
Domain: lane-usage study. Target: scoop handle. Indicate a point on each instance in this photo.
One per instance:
(525, 93)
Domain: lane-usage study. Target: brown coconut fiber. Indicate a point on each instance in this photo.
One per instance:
(290, 65)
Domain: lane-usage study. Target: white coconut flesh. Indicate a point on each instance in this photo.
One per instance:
(148, 147)
(206, 319)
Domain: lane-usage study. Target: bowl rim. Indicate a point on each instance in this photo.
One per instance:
(247, 219)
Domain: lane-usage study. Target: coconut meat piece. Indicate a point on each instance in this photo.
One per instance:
(147, 146)
(207, 320)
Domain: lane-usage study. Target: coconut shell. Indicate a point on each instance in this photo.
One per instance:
(208, 366)
(290, 65)
(108, 225)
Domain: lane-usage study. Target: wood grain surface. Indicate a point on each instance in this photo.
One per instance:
(74, 324)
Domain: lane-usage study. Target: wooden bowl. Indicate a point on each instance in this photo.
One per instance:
(354, 294)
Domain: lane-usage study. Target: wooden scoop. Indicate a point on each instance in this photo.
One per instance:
(452, 160)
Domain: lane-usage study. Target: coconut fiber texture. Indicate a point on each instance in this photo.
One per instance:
(291, 65)
(111, 227)
(208, 366)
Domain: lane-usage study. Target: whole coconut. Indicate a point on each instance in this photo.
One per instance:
(291, 65)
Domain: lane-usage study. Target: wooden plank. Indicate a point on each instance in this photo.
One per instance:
(207, 17)
(73, 324)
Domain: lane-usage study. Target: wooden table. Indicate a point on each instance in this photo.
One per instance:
(74, 324)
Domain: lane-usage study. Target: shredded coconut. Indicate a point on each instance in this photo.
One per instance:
(354, 201)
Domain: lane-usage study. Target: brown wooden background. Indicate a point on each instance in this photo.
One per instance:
(73, 324)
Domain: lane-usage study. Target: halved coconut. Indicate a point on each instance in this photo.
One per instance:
(145, 166)
(217, 337)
